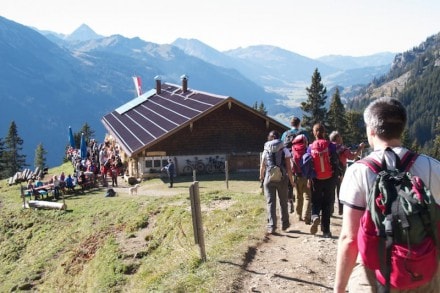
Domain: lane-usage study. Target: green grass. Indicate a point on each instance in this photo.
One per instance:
(89, 247)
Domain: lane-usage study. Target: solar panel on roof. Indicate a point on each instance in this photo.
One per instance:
(136, 101)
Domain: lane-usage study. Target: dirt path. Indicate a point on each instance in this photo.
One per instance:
(294, 261)
(289, 261)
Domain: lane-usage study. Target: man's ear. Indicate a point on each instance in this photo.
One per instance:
(370, 131)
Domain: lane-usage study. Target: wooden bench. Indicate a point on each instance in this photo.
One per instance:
(39, 192)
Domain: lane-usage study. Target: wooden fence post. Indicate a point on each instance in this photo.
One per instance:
(197, 218)
(227, 174)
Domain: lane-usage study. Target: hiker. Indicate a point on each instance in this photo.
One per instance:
(170, 172)
(344, 154)
(324, 160)
(288, 138)
(385, 120)
(276, 157)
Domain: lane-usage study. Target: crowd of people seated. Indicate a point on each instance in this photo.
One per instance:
(102, 160)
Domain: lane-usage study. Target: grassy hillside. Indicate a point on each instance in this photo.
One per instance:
(131, 243)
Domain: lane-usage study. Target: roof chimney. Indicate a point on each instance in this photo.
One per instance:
(184, 79)
(158, 84)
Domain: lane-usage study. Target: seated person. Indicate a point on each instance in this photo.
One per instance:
(82, 180)
(69, 183)
(38, 184)
(31, 190)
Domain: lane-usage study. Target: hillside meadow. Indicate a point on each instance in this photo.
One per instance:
(132, 243)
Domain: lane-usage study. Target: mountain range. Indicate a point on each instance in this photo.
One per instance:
(51, 81)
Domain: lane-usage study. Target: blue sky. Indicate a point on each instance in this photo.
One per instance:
(310, 28)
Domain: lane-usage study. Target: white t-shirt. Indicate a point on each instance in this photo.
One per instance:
(358, 178)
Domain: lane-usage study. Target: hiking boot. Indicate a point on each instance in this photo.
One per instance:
(307, 221)
(327, 235)
(271, 231)
(314, 227)
(285, 226)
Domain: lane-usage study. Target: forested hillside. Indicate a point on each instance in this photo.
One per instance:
(414, 78)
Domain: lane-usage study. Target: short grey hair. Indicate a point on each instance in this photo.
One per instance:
(387, 117)
(334, 135)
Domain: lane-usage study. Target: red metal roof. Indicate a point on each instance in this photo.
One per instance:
(151, 116)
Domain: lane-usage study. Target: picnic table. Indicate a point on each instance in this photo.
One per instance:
(42, 190)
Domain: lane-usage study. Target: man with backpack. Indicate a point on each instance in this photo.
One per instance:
(275, 173)
(288, 137)
(372, 190)
(296, 140)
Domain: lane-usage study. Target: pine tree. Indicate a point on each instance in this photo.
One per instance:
(336, 114)
(40, 157)
(415, 146)
(2, 159)
(436, 148)
(315, 104)
(89, 133)
(406, 141)
(355, 128)
(262, 109)
(13, 146)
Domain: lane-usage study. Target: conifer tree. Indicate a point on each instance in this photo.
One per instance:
(89, 133)
(436, 148)
(406, 141)
(415, 146)
(355, 128)
(314, 108)
(262, 108)
(40, 157)
(2, 159)
(15, 161)
(336, 114)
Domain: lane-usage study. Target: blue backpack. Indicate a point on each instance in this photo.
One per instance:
(306, 165)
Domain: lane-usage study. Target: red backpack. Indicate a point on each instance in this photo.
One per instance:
(399, 230)
(299, 147)
(321, 159)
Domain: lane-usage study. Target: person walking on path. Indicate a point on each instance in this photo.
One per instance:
(295, 130)
(323, 185)
(275, 153)
(344, 154)
(170, 172)
(385, 120)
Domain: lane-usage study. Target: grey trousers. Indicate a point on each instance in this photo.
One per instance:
(271, 191)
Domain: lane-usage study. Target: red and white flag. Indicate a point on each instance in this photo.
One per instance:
(138, 85)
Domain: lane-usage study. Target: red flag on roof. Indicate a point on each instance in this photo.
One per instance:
(138, 85)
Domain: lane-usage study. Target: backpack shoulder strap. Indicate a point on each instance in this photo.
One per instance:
(403, 164)
(408, 160)
(372, 164)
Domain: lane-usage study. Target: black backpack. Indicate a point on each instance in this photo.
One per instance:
(110, 192)
(289, 137)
